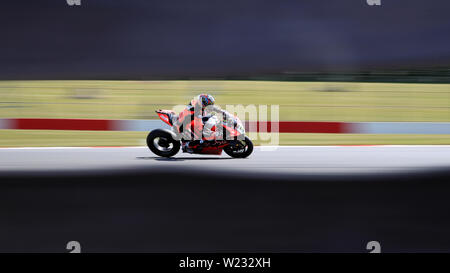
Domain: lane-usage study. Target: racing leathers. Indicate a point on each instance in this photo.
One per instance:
(204, 127)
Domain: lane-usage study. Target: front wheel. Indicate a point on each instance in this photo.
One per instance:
(161, 143)
(240, 149)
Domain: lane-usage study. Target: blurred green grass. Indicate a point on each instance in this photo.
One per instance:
(306, 101)
(302, 101)
(44, 138)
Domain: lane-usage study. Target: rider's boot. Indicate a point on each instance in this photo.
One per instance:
(188, 146)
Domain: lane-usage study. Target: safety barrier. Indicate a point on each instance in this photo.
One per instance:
(283, 126)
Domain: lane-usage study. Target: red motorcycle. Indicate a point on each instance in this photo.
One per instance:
(229, 136)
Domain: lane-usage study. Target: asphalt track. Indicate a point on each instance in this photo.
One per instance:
(282, 159)
(335, 199)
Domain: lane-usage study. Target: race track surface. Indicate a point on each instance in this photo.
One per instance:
(128, 200)
(283, 159)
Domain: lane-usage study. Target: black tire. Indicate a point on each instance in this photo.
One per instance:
(248, 149)
(161, 143)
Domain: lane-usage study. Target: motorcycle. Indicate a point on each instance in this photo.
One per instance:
(229, 136)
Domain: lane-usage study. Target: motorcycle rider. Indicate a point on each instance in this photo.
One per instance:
(203, 106)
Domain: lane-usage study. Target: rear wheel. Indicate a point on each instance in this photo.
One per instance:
(161, 143)
(240, 149)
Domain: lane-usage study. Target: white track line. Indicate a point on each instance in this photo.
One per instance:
(67, 148)
(277, 147)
